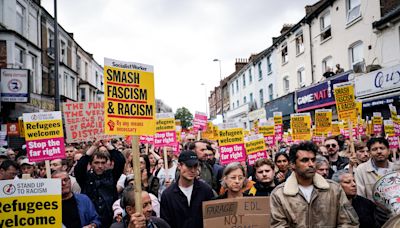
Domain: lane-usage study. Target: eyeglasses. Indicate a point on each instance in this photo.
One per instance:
(330, 145)
(240, 178)
(192, 140)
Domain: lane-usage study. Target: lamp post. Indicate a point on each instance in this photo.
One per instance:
(222, 92)
(205, 93)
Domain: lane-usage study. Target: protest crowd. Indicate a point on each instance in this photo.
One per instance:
(308, 184)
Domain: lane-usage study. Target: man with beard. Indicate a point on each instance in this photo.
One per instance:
(306, 199)
(264, 174)
(206, 171)
(337, 162)
(217, 168)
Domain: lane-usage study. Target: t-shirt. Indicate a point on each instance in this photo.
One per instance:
(70, 213)
(307, 190)
(188, 192)
(161, 176)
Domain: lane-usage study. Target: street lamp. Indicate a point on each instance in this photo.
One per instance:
(205, 93)
(222, 93)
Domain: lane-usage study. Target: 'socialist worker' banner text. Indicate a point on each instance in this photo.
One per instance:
(129, 98)
(44, 136)
(30, 203)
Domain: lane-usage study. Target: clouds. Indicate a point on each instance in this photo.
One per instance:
(179, 37)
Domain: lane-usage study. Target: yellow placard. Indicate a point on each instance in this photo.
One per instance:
(21, 127)
(31, 203)
(216, 132)
(268, 130)
(377, 120)
(129, 105)
(209, 133)
(345, 101)
(335, 128)
(300, 124)
(167, 124)
(231, 136)
(389, 128)
(255, 146)
(278, 120)
(43, 129)
(359, 108)
(323, 121)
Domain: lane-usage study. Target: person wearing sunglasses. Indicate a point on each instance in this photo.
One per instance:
(336, 162)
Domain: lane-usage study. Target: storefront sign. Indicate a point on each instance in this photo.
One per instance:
(318, 95)
(378, 81)
(283, 104)
(14, 85)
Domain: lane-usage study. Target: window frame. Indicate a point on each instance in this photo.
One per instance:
(299, 46)
(325, 30)
(260, 77)
(350, 9)
(300, 77)
(285, 57)
(286, 89)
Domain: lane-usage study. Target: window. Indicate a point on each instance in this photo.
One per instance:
(83, 94)
(327, 64)
(325, 24)
(353, 10)
(20, 16)
(97, 79)
(73, 87)
(33, 26)
(63, 52)
(286, 84)
(285, 55)
(301, 77)
(233, 88)
(271, 92)
(32, 78)
(50, 43)
(299, 43)
(251, 97)
(356, 54)
(237, 85)
(250, 77)
(261, 97)
(269, 65)
(86, 70)
(259, 71)
(244, 80)
(244, 100)
(233, 105)
(237, 103)
(19, 56)
(78, 63)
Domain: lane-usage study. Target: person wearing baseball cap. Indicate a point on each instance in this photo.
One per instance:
(181, 203)
(27, 167)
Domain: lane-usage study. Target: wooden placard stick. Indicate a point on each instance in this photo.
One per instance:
(48, 170)
(352, 149)
(146, 148)
(165, 162)
(198, 135)
(137, 174)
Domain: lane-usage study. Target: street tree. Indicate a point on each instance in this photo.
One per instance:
(184, 115)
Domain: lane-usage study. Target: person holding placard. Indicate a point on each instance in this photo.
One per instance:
(306, 199)
(99, 183)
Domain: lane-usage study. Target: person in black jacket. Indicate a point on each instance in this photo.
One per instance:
(181, 203)
(264, 176)
(99, 183)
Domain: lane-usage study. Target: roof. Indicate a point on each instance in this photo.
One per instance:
(392, 16)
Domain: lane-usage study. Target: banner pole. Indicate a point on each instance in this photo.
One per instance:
(137, 174)
(165, 162)
(352, 149)
(48, 170)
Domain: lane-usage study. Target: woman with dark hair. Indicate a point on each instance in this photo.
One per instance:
(150, 183)
(282, 162)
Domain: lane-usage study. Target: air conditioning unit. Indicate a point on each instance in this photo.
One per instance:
(359, 67)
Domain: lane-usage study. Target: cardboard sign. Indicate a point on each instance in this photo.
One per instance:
(237, 212)
(30, 203)
(200, 121)
(255, 148)
(323, 121)
(44, 136)
(300, 123)
(12, 129)
(345, 101)
(165, 130)
(231, 144)
(129, 101)
(267, 128)
(84, 121)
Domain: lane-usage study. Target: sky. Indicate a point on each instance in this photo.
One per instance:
(180, 38)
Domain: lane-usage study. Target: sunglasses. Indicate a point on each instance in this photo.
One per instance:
(330, 145)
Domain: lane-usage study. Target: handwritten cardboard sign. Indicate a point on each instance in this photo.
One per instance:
(237, 212)
(84, 121)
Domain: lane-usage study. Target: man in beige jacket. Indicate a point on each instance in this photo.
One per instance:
(306, 199)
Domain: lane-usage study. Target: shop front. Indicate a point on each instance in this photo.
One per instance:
(319, 95)
(377, 89)
(284, 104)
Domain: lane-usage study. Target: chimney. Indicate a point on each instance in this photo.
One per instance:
(285, 28)
(240, 63)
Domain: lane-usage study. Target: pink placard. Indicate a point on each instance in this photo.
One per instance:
(396, 128)
(45, 149)
(252, 158)
(270, 140)
(176, 148)
(232, 153)
(393, 142)
(146, 139)
(165, 138)
(200, 122)
(377, 129)
(278, 132)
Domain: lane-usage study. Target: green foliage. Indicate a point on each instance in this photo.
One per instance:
(184, 115)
